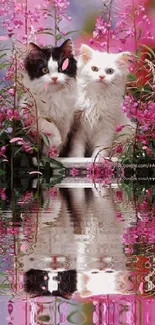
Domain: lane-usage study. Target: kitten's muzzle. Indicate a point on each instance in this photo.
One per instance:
(101, 77)
(54, 79)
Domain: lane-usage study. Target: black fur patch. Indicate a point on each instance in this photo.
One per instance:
(34, 281)
(38, 58)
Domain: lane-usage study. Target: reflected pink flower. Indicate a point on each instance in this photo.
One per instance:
(74, 172)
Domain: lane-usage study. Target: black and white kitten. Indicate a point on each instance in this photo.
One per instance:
(50, 283)
(50, 77)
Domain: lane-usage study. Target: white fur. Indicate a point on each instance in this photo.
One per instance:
(54, 101)
(99, 101)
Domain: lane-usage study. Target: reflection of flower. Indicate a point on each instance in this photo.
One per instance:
(74, 172)
(2, 194)
(101, 170)
(142, 232)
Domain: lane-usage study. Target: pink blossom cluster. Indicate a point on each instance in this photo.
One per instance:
(142, 232)
(102, 32)
(61, 5)
(2, 194)
(26, 146)
(25, 198)
(131, 28)
(53, 152)
(61, 9)
(8, 114)
(28, 118)
(2, 153)
(144, 114)
(11, 19)
(103, 170)
(19, 19)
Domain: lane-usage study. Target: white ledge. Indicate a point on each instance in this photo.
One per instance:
(80, 162)
(79, 182)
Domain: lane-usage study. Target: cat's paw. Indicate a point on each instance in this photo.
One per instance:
(77, 150)
(100, 153)
(76, 154)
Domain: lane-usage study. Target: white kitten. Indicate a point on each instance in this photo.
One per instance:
(101, 81)
(53, 89)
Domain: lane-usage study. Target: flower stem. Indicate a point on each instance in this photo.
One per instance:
(55, 26)
(134, 26)
(109, 26)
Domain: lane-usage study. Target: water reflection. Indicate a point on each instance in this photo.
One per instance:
(85, 247)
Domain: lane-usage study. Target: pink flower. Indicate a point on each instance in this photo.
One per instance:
(11, 91)
(53, 152)
(119, 128)
(35, 172)
(119, 149)
(149, 192)
(16, 139)
(2, 150)
(2, 194)
(118, 214)
(74, 172)
(53, 192)
(119, 195)
(3, 38)
(141, 290)
(25, 145)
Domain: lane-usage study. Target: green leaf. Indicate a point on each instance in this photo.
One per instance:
(17, 151)
(2, 55)
(48, 33)
(58, 37)
(4, 65)
(132, 77)
(45, 138)
(2, 172)
(72, 31)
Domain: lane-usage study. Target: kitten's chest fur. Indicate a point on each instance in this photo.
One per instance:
(59, 107)
(99, 109)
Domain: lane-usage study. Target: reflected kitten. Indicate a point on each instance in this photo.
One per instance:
(102, 79)
(50, 76)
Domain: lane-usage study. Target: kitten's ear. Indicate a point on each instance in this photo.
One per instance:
(124, 58)
(86, 53)
(33, 48)
(67, 48)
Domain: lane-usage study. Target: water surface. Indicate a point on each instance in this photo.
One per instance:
(76, 253)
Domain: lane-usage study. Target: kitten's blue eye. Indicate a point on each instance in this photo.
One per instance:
(94, 68)
(109, 71)
(45, 70)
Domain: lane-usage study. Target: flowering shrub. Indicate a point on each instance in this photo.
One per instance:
(21, 25)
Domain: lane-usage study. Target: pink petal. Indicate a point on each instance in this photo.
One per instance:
(15, 139)
(20, 142)
(22, 247)
(3, 38)
(141, 287)
(43, 288)
(65, 64)
(46, 85)
(35, 172)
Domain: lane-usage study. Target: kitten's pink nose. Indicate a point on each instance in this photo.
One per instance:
(54, 79)
(101, 77)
